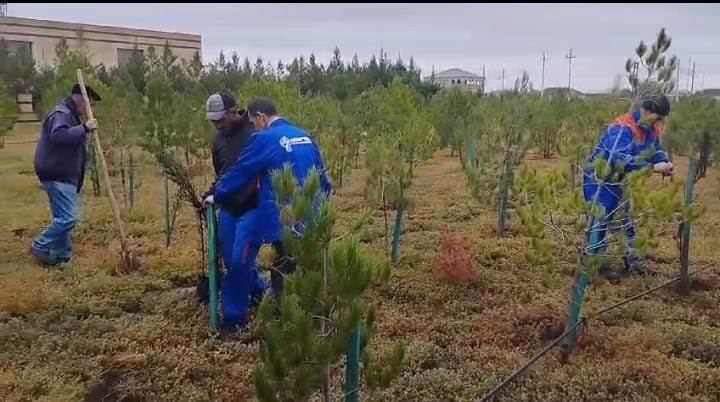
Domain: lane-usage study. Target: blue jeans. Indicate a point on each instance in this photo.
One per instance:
(239, 246)
(610, 199)
(65, 207)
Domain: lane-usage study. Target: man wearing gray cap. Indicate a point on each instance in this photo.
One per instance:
(242, 286)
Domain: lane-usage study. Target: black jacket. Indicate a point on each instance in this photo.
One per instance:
(60, 153)
(225, 151)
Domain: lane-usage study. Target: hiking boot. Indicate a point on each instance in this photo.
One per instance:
(639, 267)
(609, 275)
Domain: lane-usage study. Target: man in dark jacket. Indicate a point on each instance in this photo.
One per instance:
(242, 285)
(60, 166)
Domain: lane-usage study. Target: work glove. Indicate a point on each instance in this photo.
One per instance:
(91, 124)
(666, 168)
(209, 200)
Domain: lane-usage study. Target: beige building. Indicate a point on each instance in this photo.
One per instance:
(111, 46)
(456, 77)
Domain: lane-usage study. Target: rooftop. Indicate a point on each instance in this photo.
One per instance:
(17, 22)
(456, 73)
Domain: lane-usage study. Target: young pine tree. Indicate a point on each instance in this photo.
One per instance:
(502, 138)
(323, 301)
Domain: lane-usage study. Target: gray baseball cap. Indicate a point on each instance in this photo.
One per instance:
(218, 104)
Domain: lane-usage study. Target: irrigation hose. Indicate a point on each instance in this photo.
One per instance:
(557, 340)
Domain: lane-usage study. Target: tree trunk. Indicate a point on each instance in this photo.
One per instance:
(412, 163)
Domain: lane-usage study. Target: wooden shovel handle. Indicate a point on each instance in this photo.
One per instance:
(103, 165)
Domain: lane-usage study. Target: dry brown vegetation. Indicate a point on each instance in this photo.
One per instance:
(82, 334)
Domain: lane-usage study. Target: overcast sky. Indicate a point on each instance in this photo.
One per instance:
(465, 36)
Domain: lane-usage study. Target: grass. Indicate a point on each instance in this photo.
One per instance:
(82, 333)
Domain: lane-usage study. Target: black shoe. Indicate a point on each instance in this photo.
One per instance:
(44, 257)
(640, 268)
(609, 275)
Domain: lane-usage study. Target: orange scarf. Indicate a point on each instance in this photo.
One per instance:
(638, 133)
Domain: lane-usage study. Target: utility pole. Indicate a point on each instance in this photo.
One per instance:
(687, 86)
(502, 88)
(677, 82)
(692, 82)
(570, 58)
(3, 9)
(482, 91)
(542, 79)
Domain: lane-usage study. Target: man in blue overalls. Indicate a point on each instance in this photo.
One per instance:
(237, 218)
(631, 143)
(276, 143)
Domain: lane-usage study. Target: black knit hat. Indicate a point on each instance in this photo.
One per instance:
(90, 92)
(659, 105)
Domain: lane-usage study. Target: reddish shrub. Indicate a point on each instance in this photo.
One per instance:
(453, 262)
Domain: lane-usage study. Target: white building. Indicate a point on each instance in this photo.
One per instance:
(461, 78)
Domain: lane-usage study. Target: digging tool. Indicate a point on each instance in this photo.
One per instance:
(130, 262)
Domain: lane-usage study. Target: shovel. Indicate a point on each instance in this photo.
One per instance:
(130, 262)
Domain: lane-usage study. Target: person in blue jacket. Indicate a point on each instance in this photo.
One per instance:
(236, 216)
(59, 162)
(276, 143)
(631, 143)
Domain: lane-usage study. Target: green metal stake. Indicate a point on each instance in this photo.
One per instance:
(685, 249)
(352, 370)
(472, 151)
(578, 295)
(167, 213)
(132, 181)
(396, 234)
(582, 279)
(504, 190)
(212, 267)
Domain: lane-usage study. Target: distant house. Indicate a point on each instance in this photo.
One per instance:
(711, 92)
(456, 77)
(553, 92)
(621, 94)
(511, 91)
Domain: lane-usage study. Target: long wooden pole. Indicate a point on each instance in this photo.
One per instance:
(128, 259)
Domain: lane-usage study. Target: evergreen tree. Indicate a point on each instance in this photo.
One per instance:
(659, 70)
(322, 303)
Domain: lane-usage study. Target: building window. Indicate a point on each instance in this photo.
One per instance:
(18, 48)
(124, 55)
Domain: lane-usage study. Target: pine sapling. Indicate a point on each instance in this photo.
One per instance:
(323, 301)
